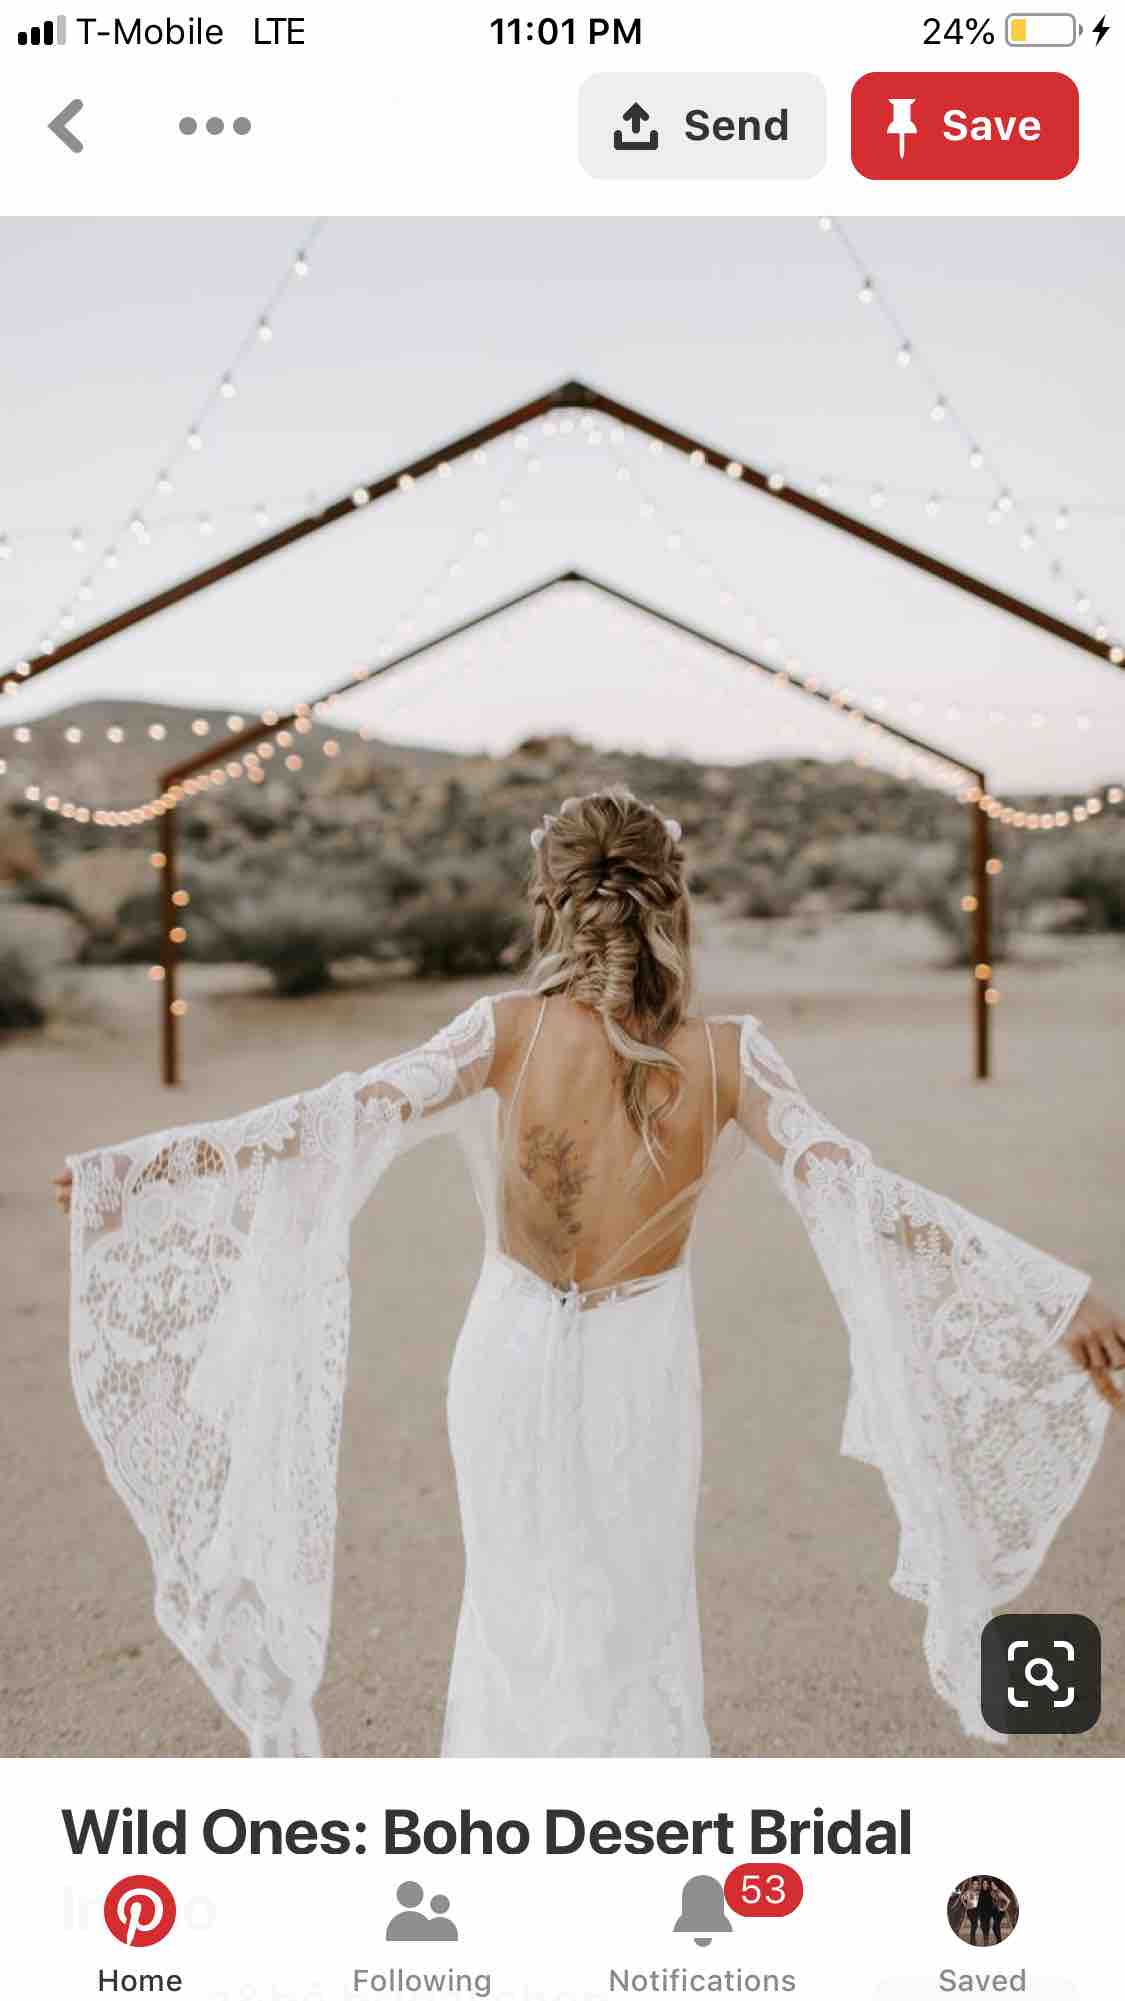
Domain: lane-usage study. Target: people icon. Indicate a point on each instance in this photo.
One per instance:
(411, 1922)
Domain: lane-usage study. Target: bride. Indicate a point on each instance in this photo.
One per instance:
(209, 1335)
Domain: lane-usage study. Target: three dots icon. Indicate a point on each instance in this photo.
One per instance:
(189, 126)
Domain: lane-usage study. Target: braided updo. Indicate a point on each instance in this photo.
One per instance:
(612, 929)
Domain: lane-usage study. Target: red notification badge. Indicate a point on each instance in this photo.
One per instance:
(763, 1890)
(988, 125)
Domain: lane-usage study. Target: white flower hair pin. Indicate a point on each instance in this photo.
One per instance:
(671, 827)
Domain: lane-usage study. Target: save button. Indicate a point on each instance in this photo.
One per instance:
(965, 126)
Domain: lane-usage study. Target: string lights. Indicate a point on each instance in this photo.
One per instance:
(786, 671)
(947, 774)
(251, 763)
(263, 509)
(942, 410)
(135, 527)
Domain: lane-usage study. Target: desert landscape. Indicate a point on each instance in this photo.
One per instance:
(807, 1652)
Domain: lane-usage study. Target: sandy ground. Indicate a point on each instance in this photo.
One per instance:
(807, 1652)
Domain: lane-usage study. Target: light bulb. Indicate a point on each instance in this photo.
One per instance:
(78, 542)
(976, 458)
(265, 331)
(905, 355)
(1062, 520)
(227, 389)
(866, 292)
(164, 483)
(940, 411)
(301, 265)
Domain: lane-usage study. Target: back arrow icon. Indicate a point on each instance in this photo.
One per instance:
(60, 122)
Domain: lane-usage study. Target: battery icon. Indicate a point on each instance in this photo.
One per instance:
(1042, 31)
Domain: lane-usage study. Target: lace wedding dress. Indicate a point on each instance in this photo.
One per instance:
(209, 1337)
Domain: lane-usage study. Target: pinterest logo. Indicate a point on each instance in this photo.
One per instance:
(140, 1910)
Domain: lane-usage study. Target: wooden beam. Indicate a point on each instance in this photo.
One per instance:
(573, 395)
(858, 529)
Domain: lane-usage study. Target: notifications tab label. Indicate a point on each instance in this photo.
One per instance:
(978, 126)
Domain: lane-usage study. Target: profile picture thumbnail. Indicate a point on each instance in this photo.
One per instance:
(983, 1910)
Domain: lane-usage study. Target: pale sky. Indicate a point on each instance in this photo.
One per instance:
(750, 334)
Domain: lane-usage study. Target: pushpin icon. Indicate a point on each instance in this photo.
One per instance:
(902, 126)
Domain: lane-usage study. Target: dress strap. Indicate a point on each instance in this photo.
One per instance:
(532, 1040)
(714, 1083)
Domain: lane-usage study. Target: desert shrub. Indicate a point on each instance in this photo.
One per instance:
(295, 934)
(934, 885)
(869, 868)
(765, 891)
(1085, 867)
(21, 1005)
(449, 937)
(96, 884)
(47, 896)
(19, 857)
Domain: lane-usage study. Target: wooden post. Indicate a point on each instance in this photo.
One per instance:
(981, 848)
(169, 953)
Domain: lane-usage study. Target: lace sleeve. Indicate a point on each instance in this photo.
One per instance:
(982, 1428)
(209, 1335)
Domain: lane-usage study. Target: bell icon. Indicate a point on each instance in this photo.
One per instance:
(703, 1909)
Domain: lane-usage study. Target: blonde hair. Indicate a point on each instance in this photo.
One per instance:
(612, 929)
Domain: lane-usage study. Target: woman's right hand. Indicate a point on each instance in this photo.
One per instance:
(1095, 1340)
(63, 1185)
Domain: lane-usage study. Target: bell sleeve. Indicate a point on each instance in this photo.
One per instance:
(209, 1329)
(982, 1428)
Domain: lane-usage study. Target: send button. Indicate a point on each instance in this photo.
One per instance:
(719, 127)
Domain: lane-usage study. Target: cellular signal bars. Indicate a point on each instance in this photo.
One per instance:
(52, 34)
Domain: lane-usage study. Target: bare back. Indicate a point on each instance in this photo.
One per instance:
(580, 1202)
